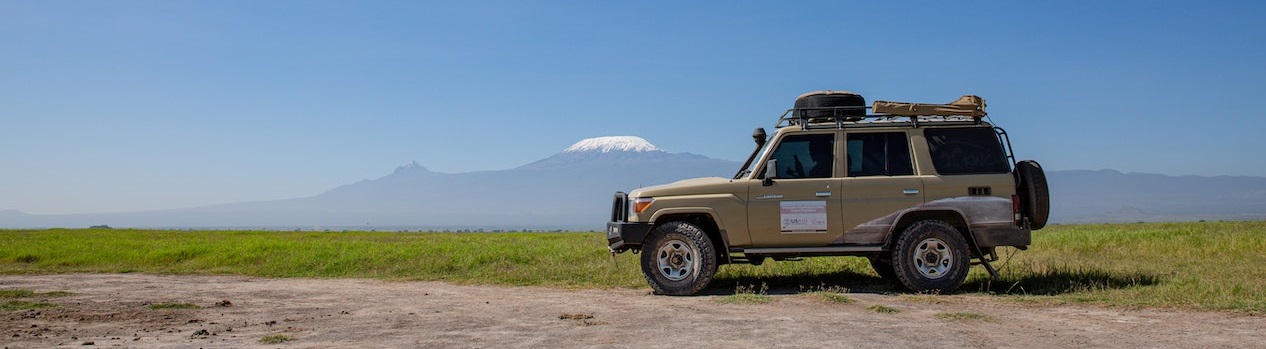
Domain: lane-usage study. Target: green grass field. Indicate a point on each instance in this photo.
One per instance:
(1216, 265)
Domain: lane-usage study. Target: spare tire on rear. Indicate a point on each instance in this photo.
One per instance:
(828, 104)
(1035, 198)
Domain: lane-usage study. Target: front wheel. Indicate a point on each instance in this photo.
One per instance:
(931, 256)
(678, 259)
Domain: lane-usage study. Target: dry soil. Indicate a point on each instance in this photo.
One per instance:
(112, 310)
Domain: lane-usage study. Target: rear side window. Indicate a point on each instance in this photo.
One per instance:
(966, 151)
(879, 154)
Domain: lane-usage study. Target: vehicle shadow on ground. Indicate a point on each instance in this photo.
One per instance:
(1061, 281)
(1050, 283)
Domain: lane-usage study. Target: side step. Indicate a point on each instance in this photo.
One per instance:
(783, 253)
(825, 249)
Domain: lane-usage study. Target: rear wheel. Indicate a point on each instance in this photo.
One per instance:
(931, 256)
(678, 259)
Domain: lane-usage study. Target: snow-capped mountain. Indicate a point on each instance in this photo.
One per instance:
(570, 189)
(631, 153)
(612, 143)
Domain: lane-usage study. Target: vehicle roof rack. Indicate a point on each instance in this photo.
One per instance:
(966, 109)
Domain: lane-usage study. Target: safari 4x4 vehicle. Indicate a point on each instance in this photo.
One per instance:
(922, 190)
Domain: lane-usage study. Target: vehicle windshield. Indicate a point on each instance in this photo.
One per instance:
(751, 165)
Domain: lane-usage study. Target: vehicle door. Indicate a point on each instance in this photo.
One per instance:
(800, 205)
(879, 180)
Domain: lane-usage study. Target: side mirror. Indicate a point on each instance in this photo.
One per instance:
(771, 172)
(759, 136)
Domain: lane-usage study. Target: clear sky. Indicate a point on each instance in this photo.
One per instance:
(135, 105)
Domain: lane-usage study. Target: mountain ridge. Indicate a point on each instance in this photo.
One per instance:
(572, 190)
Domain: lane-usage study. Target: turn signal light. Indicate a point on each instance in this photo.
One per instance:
(640, 204)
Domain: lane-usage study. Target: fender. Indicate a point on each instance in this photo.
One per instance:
(706, 211)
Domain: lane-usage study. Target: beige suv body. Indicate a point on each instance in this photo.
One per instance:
(919, 195)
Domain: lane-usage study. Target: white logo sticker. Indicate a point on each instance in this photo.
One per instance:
(803, 216)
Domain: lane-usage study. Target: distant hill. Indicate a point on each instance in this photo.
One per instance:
(1112, 196)
(572, 190)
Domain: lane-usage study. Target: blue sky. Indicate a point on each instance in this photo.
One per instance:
(138, 105)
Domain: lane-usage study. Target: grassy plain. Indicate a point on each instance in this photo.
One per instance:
(552, 259)
(1215, 265)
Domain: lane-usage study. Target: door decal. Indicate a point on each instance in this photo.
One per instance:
(800, 217)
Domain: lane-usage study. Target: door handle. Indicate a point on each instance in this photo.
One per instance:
(910, 191)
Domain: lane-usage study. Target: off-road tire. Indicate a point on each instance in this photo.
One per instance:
(931, 256)
(1035, 197)
(883, 267)
(678, 259)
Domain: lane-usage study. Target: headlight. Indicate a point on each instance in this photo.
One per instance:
(640, 204)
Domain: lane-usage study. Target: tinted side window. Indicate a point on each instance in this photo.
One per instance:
(805, 156)
(879, 154)
(966, 151)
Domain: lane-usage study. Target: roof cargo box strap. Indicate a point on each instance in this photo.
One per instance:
(967, 105)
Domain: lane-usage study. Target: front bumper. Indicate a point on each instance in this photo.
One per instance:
(622, 236)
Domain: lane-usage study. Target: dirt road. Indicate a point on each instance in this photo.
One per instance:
(113, 311)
